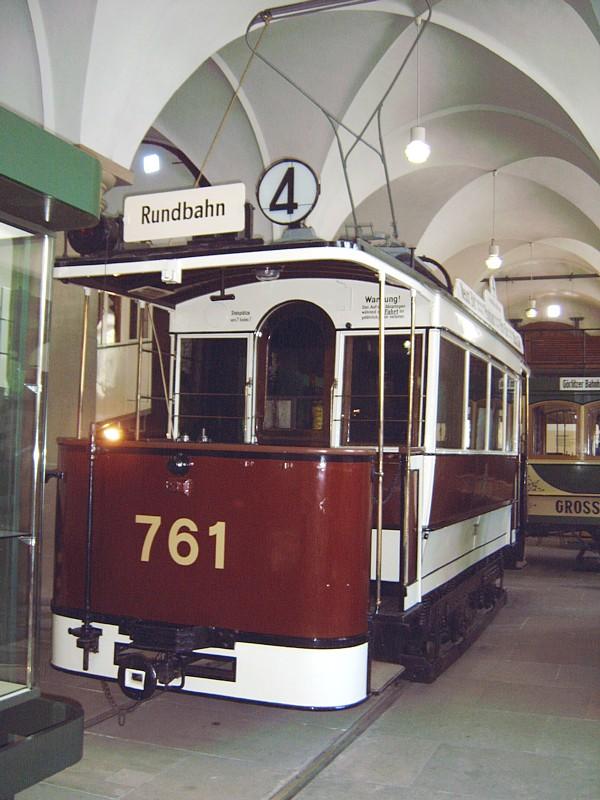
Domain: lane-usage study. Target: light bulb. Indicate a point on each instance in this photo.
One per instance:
(267, 273)
(531, 311)
(417, 150)
(493, 261)
(112, 433)
(553, 311)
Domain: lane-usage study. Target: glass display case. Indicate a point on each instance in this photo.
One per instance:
(24, 263)
(46, 186)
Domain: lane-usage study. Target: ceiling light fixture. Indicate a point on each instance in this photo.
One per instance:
(417, 150)
(267, 273)
(494, 260)
(531, 311)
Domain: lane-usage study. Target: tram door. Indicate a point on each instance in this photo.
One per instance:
(295, 372)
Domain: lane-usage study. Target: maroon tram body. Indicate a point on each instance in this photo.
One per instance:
(332, 485)
(296, 527)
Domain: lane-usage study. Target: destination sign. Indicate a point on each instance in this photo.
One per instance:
(574, 384)
(184, 213)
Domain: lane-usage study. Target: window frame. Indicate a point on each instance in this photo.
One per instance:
(248, 415)
(509, 446)
(552, 406)
(587, 410)
(305, 437)
(344, 375)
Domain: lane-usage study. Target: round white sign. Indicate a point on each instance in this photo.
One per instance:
(287, 191)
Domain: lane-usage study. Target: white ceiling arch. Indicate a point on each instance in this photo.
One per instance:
(530, 36)
(525, 211)
(136, 66)
(505, 85)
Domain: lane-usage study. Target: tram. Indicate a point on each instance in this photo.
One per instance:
(337, 480)
(563, 478)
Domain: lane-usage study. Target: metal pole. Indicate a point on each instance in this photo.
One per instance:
(82, 360)
(90, 524)
(87, 635)
(162, 369)
(523, 450)
(138, 379)
(411, 383)
(380, 442)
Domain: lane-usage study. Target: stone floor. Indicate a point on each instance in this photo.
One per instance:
(518, 716)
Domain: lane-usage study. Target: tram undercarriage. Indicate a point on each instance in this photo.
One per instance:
(430, 636)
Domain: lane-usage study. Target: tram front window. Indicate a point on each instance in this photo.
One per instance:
(554, 431)
(211, 389)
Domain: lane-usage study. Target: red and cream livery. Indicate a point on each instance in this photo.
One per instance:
(336, 482)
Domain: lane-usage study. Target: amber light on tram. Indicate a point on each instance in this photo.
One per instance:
(113, 433)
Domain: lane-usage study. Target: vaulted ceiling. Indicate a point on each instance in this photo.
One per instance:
(505, 86)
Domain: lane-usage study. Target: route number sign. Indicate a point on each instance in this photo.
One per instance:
(287, 191)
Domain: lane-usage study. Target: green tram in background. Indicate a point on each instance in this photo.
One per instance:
(563, 476)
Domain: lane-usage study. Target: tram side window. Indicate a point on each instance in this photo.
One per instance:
(109, 319)
(497, 409)
(361, 390)
(592, 430)
(554, 430)
(211, 389)
(477, 405)
(512, 404)
(449, 429)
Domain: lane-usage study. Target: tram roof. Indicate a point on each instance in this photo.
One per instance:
(170, 276)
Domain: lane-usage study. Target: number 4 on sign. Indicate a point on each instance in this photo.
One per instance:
(286, 185)
(287, 191)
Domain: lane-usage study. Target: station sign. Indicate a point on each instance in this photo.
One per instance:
(582, 383)
(184, 213)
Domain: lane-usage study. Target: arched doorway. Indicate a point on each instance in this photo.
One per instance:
(295, 362)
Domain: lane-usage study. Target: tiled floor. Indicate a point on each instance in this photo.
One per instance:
(518, 716)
